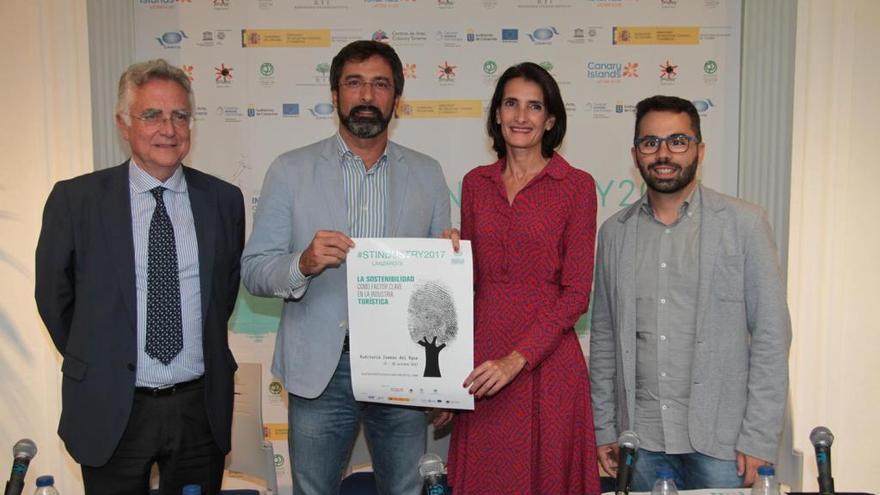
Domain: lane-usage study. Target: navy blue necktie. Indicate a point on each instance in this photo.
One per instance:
(164, 322)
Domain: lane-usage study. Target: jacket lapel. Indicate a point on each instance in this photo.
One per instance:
(710, 237)
(398, 175)
(626, 297)
(204, 209)
(330, 186)
(115, 214)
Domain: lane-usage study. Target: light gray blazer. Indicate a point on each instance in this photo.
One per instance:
(740, 368)
(303, 193)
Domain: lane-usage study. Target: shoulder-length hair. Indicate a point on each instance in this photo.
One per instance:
(552, 101)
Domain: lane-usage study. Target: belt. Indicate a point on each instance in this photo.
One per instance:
(345, 347)
(171, 390)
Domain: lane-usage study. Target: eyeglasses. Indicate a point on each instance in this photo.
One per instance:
(676, 143)
(381, 85)
(155, 118)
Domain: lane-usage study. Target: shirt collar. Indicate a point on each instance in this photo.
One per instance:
(692, 202)
(143, 182)
(344, 151)
(556, 168)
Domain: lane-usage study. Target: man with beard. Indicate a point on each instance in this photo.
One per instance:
(314, 199)
(690, 327)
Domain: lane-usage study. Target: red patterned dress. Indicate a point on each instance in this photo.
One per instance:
(533, 270)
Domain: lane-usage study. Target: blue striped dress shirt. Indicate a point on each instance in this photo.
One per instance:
(366, 199)
(189, 364)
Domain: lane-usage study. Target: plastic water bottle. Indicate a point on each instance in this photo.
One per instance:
(46, 485)
(665, 485)
(766, 482)
(433, 473)
(191, 490)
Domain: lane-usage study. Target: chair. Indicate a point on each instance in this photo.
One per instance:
(251, 453)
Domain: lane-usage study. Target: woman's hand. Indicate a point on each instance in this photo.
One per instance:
(454, 235)
(491, 376)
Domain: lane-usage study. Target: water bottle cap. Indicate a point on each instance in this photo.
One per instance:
(766, 471)
(192, 490)
(45, 480)
(664, 473)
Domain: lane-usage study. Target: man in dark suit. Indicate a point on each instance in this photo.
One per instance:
(137, 275)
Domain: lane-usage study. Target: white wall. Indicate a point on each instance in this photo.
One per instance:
(45, 135)
(834, 240)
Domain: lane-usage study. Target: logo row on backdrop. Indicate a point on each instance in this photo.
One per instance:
(542, 35)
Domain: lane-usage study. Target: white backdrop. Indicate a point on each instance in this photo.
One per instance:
(260, 73)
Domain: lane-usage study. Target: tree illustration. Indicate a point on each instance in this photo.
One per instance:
(433, 322)
(322, 69)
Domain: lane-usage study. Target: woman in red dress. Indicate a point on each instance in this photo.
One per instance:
(531, 219)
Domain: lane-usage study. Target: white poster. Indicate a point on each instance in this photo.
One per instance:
(411, 323)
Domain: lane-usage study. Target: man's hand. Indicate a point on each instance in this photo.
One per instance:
(608, 454)
(491, 376)
(747, 467)
(441, 418)
(454, 235)
(328, 248)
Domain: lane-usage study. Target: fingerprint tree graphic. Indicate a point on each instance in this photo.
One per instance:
(433, 322)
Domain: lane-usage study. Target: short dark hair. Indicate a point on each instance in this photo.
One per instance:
(662, 103)
(552, 101)
(358, 51)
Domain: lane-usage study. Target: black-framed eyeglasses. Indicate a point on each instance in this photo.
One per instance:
(154, 118)
(676, 143)
(382, 85)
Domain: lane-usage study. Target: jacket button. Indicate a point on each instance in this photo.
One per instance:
(130, 366)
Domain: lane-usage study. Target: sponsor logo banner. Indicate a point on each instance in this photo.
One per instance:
(285, 38)
(275, 431)
(655, 35)
(438, 109)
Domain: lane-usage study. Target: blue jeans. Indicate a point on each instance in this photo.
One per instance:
(323, 431)
(691, 471)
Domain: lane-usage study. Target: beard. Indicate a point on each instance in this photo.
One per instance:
(686, 175)
(365, 126)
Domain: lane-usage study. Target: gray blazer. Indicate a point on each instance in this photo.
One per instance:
(740, 367)
(303, 193)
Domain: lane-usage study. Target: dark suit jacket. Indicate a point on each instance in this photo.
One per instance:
(85, 292)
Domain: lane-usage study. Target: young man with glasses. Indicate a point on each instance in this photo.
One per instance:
(690, 327)
(137, 274)
(355, 183)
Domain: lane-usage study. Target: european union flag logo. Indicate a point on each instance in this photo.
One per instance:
(509, 34)
(289, 109)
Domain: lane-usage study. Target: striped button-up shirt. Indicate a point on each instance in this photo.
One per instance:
(366, 200)
(189, 364)
(366, 192)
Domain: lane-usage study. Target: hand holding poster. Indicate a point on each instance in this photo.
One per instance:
(410, 309)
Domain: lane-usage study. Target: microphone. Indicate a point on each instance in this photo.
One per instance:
(821, 438)
(628, 446)
(22, 452)
(433, 474)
